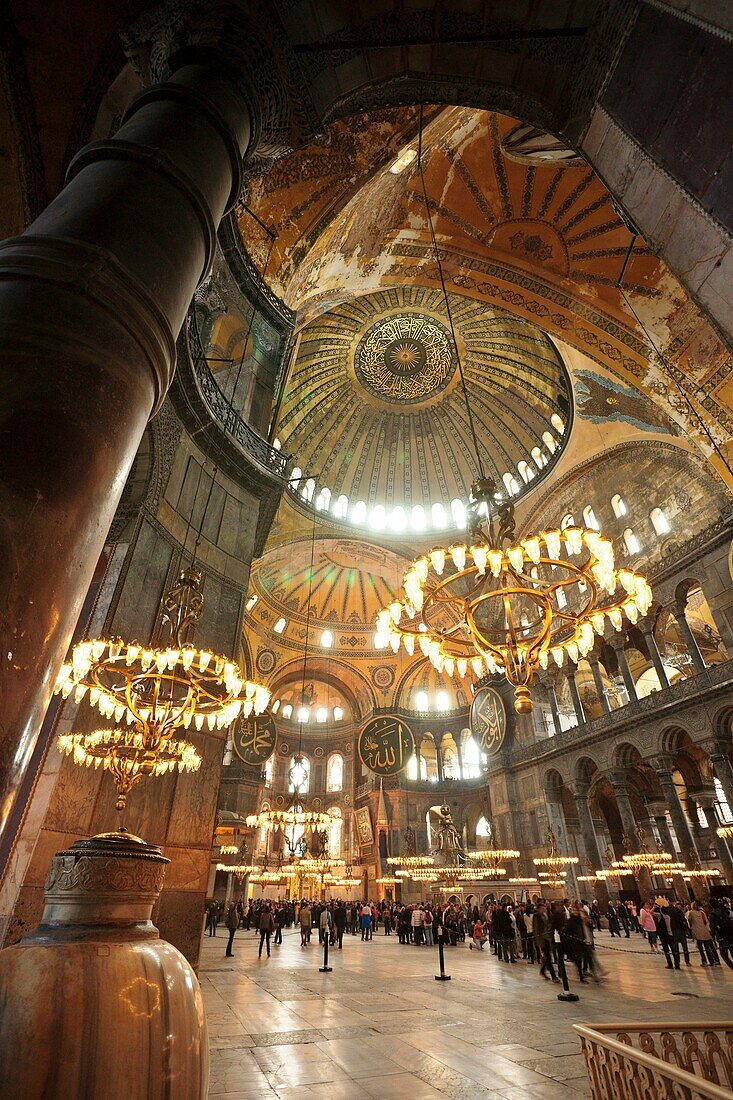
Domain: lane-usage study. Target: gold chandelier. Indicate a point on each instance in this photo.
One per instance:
(552, 865)
(411, 863)
(157, 690)
(290, 819)
(501, 605)
(128, 756)
(725, 832)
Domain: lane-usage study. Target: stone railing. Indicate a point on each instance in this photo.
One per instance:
(222, 410)
(684, 1061)
(694, 688)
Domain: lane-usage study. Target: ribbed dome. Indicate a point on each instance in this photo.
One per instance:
(374, 408)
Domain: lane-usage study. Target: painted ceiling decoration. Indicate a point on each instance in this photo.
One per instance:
(537, 237)
(374, 407)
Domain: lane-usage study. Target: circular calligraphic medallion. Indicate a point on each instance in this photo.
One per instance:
(405, 357)
(254, 738)
(488, 720)
(386, 745)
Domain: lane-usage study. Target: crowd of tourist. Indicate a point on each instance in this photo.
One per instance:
(544, 933)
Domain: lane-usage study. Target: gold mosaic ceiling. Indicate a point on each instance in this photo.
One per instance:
(374, 408)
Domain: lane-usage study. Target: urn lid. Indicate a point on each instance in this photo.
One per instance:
(103, 876)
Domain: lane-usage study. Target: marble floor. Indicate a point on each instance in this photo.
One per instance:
(380, 1026)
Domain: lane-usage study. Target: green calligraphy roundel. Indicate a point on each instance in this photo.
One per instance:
(386, 745)
(254, 738)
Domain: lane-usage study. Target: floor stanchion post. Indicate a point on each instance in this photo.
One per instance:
(566, 995)
(442, 977)
(325, 969)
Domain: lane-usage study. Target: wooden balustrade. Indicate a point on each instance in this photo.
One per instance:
(680, 1061)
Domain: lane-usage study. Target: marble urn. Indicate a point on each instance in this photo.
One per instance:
(93, 1004)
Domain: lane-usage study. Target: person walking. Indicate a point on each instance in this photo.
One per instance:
(665, 936)
(701, 934)
(212, 918)
(721, 925)
(416, 920)
(305, 920)
(279, 918)
(366, 922)
(428, 929)
(387, 919)
(649, 925)
(339, 924)
(623, 915)
(267, 925)
(232, 924)
(325, 923)
(678, 930)
(543, 942)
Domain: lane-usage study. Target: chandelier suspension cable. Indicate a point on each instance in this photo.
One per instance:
(661, 358)
(449, 314)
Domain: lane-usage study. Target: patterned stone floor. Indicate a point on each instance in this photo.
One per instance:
(380, 1026)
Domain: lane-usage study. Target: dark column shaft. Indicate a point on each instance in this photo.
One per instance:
(91, 299)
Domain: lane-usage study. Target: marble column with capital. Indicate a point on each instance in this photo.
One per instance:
(598, 681)
(619, 646)
(549, 687)
(623, 801)
(92, 297)
(654, 655)
(688, 848)
(693, 648)
(723, 768)
(590, 841)
(575, 696)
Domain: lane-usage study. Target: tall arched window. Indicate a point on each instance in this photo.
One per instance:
(525, 471)
(568, 520)
(378, 518)
(631, 541)
(660, 523)
(397, 519)
(335, 773)
(458, 511)
(724, 811)
(437, 513)
(299, 774)
(619, 506)
(358, 514)
(557, 423)
(268, 771)
(421, 700)
(483, 829)
(417, 518)
(442, 700)
(412, 768)
(335, 831)
(538, 458)
(295, 477)
(589, 518)
(471, 759)
(309, 489)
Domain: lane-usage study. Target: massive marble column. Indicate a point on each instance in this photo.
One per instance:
(657, 812)
(91, 299)
(723, 768)
(618, 782)
(549, 685)
(706, 801)
(690, 854)
(692, 647)
(590, 840)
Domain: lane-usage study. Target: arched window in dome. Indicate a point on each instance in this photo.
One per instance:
(442, 700)
(323, 500)
(619, 506)
(458, 511)
(341, 507)
(287, 710)
(660, 523)
(322, 714)
(299, 774)
(397, 519)
(295, 477)
(483, 829)
(538, 458)
(438, 515)
(525, 471)
(335, 772)
(567, 520)
(378, 518)
(418, 521)
(309, 489)
(550, 442)
(335, 831)
(589, 518)
(421, 700)
(557, 423)
(359, 511)
(269, 766)
(338, 714)
(510, 484)
(631, 541)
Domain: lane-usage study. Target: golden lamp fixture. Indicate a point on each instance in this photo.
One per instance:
(156, 691)
(497, 604)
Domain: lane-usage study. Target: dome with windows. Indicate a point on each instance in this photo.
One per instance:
(381, 378)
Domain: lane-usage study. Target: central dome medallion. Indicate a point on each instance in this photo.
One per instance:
(405, 358)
